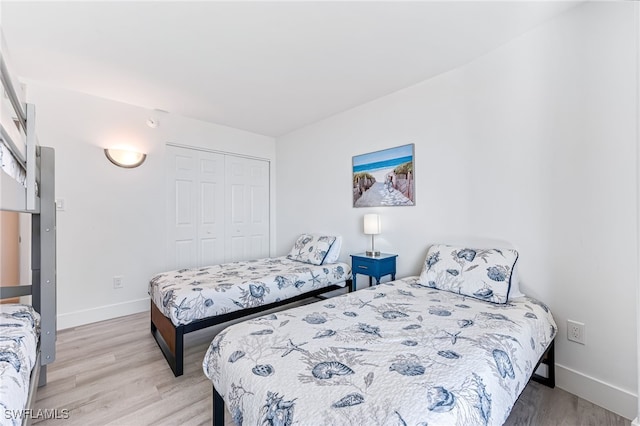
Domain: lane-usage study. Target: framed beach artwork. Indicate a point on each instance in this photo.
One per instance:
(384, 178)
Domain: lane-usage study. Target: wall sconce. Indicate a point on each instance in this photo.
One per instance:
(125, 158)
(372, 227)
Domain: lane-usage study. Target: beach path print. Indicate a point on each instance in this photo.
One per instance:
(384, 178)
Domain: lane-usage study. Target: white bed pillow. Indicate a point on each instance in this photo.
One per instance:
(484, 242)
(484, 274)
(515, 284)
(334, 251)
(311, 248)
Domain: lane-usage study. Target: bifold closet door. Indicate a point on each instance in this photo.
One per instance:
(217, 208)
(195, 210)
(247, 208)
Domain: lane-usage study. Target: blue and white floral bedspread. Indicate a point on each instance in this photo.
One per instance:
(395, 354)
(188, 295)
(19, 335)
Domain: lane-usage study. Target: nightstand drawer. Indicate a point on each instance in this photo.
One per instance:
(366, 264)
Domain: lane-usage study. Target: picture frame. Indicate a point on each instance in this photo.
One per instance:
(384, 178)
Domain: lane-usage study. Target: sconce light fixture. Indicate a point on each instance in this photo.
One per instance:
(125, 158)
(372, 227)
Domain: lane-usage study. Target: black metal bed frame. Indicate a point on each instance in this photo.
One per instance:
(548, 358)
(170, 338)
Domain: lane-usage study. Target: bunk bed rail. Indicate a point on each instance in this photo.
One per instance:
(17, 134)
(5, 78)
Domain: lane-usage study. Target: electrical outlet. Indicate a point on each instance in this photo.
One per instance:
(576, 331)
(117, 282)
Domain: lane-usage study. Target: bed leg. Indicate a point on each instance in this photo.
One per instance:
(549, 359)
(551, 363)
(218, 409)
(179, 355)
(170, 339)
(42, 380)
(352, 285)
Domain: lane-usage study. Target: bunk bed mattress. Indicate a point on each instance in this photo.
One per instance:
(19, 335)
(187, 295)
(398, 353)
(11, 166)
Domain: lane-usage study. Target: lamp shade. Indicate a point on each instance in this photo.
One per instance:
(125, 158)
(372, 224)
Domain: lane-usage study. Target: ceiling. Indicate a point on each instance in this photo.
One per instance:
(264, 67)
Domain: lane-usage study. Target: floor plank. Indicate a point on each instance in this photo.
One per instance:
(113, 373)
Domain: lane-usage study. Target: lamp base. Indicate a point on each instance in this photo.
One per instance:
(372, 253)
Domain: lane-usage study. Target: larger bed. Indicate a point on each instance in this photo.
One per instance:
(186, 300)
(402, 353)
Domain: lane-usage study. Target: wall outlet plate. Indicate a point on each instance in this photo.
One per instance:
(117, 282)
(576, 332)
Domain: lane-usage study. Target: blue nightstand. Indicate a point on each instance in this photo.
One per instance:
(375, 267)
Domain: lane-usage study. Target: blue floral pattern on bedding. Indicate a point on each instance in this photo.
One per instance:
(19, 335)
(398, 353)
(481, 273)
(311, 248)
(187, 295)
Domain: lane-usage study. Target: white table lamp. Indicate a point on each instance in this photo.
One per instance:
(372, 227)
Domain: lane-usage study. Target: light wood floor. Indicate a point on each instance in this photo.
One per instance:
(113, 373)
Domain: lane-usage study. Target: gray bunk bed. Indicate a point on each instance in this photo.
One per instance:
(27, 185)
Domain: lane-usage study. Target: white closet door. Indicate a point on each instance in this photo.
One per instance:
(181, 208)
(195, 210)
(247, 208)
(211, 230)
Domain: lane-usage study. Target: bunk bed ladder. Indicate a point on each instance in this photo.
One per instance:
(43, 260)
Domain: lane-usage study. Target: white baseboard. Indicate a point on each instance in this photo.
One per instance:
(101, 313)
(606, 395)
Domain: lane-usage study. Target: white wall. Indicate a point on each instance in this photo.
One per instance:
(533, 143)
(114, 218)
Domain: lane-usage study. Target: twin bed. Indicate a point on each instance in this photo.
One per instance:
(27, 332)
(449, 347)
(186, 300)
